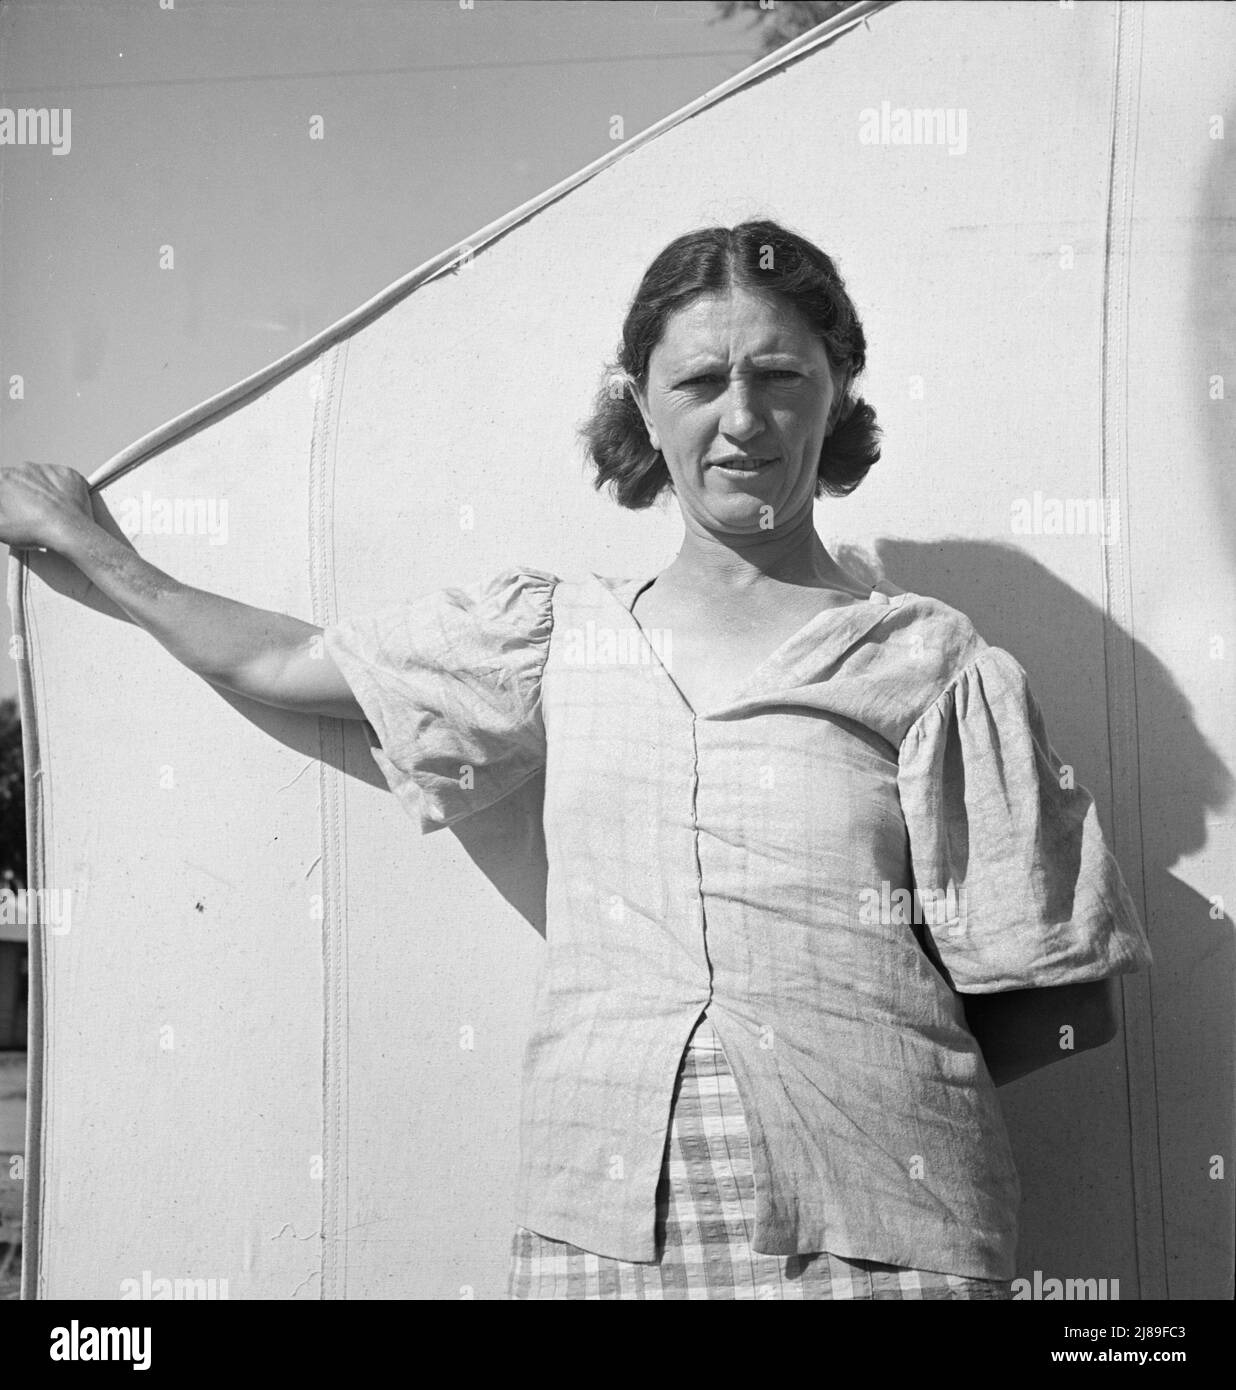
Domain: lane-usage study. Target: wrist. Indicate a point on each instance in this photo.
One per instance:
(71, 534)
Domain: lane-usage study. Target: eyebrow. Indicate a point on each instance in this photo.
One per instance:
(715, 363)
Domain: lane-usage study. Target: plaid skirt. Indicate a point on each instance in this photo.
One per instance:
(705, 1218)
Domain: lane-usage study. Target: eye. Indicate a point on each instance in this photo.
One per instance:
(714, 378)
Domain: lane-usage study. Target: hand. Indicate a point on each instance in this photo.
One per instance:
(39, 502)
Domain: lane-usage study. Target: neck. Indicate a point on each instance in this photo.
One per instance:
(795, 555)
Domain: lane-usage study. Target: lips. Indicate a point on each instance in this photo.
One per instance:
(743, 465)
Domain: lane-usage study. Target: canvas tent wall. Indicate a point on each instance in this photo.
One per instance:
(279, 1043)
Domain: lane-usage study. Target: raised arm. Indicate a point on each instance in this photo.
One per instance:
(266, 656)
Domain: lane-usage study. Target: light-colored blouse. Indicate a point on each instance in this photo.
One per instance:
(874, 824)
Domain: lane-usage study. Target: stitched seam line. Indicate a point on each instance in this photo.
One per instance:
(1118, 652)
(334, 926)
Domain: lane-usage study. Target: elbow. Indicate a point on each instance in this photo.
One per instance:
(1104, 1020)
(1087, 1015)
(1023, 1030)
(1091, 1013)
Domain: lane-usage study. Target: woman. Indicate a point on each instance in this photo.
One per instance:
(791, 820)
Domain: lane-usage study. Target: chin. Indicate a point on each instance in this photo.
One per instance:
(742, 513)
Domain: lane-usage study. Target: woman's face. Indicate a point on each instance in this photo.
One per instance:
(737, 400)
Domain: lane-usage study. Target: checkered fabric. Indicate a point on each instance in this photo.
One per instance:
(705, 1217)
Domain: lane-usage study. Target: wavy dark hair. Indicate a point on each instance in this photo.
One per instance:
(761, 256)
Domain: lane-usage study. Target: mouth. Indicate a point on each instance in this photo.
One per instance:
(741, 465)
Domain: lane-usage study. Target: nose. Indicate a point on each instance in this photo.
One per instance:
(740, 413)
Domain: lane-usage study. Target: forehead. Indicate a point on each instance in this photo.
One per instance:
(736, 322)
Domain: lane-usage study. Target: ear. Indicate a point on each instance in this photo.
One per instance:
(640, 397)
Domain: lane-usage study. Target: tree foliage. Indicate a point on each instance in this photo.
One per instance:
(782, 21)
(12, 799)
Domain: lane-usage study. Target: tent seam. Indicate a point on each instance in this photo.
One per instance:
(331, 747)
(1119, 649)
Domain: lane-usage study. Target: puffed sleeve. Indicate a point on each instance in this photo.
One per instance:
(1029, 893)
(451, 688)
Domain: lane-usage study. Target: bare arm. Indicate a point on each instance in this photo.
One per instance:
(266, 656)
